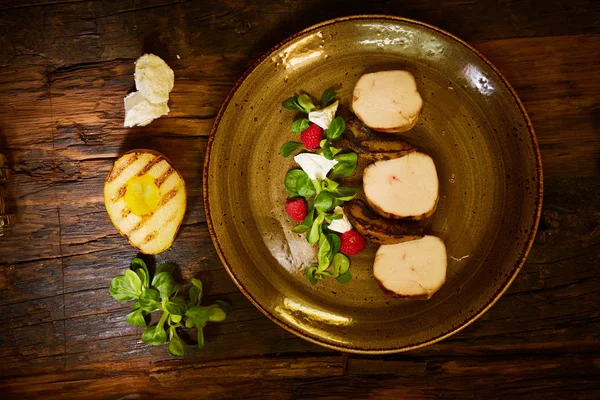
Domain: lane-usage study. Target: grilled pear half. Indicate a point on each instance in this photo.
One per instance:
(145, 199)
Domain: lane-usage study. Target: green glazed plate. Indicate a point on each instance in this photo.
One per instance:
(472, 124)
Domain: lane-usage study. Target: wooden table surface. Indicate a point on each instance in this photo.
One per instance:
(64, 69)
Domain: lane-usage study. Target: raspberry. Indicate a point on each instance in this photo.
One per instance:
(311, 136)
(296, 209)
(351, 242)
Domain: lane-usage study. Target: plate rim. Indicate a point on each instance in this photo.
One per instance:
(469, 319)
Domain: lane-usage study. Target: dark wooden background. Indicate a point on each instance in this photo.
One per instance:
(64, 69)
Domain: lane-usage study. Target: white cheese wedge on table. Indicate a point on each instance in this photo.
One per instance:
(154, 81)
(154, 78)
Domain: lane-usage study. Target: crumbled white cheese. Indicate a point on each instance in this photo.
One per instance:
(324, 117)
(139, 111)
(340, 225)
(316, 166)
(154, 81)
(153, 78)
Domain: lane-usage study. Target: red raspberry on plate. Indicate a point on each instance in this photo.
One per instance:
(296, 209)
(311, 136)
(351, 242)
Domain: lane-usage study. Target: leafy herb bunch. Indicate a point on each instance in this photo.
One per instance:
(305, 104)
(322, 196)
(162, 294)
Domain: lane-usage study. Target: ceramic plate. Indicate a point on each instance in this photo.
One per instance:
(472, 124)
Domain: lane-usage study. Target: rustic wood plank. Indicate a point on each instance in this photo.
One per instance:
(561, 93)
(98, 90)
(310, 377)
(87, 31)
(26, 140)
(496, 377)
(181, 380)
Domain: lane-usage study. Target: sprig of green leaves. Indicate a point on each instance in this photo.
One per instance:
(162, 294)
(322, 196)
(329, 264)
(305, 104)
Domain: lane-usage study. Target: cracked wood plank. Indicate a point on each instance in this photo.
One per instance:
(203, 379)
(561, 94)
(70, 32)
(307, 377)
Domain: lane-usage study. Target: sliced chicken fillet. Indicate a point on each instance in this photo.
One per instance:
(387, 101)
(405, 187)
(414, 269)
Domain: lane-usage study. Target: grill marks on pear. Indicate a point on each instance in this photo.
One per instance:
(153, 228)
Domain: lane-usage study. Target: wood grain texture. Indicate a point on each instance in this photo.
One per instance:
(64, 69)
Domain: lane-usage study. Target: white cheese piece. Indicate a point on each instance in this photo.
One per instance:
(153, 78)
(340, 225)
(139, 111)
(324, 117)
(316, 166)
